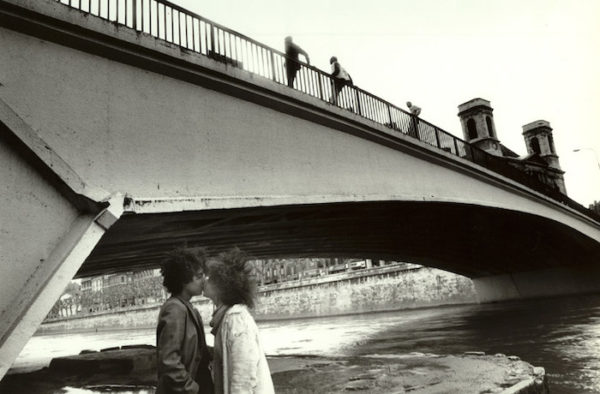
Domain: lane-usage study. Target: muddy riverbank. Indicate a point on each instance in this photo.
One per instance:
(132, 370)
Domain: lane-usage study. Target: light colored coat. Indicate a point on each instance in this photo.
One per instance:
(240, 365)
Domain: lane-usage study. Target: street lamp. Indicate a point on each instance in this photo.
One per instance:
(593, 150)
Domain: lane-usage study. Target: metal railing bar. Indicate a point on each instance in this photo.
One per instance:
(179, 28)
(187, 34)
(158, 18)
(172, 26)
(165, 23)
(194, 35)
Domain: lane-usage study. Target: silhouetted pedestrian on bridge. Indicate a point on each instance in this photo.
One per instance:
(340, 76)
(182, 355)
(292, 60)
(415, 111)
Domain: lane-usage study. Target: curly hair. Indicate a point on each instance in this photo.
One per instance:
(179, 267)
(233, 277)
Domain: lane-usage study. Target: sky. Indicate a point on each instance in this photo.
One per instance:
(532, 59)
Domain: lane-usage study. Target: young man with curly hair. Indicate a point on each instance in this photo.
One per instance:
(182, 355)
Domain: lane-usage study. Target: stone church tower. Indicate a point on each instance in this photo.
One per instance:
(541, 161)
(478, 126)
(539, 141)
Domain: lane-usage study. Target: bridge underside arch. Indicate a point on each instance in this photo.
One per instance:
(470, 240)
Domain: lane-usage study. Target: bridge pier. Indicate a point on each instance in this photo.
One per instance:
(50, 221)
(549, 282)
(45, 283)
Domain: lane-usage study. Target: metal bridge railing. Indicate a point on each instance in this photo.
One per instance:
(172, 23)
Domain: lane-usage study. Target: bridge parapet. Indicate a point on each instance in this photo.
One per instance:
(189, 31)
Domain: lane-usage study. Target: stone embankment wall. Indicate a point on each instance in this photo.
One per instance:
(375, 289)
(378, 289)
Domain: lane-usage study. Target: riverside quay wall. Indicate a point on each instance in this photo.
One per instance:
(375, 289)
(370, 290)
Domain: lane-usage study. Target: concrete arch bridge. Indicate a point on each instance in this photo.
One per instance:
(119, 143)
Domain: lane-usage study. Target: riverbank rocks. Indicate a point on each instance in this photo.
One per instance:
(474, 353)
(415, 373)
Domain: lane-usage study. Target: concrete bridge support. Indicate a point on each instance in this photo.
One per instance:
(48, 227)
(548, 282)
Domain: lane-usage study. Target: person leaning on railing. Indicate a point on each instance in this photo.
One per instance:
(415, 111)
(292, 61)
(340, 76)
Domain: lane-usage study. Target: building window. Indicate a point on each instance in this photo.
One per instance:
(490, 128)
(472, 129)
(551, 143)
(534, 145)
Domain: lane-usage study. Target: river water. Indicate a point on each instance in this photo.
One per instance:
(560, 334)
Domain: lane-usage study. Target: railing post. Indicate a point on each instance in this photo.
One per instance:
(321, 96)
(390, 115)
(273, 65)
(358, 109)
(437, 136)
(456, 146)
(134, 14)
(212, 39)
(172, 26)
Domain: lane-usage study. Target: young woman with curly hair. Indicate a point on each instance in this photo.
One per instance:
(182, 355)
(239, 362)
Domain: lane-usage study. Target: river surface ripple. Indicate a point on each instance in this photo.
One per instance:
(560, 334)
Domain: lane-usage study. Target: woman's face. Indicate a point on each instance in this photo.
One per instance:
(210, 289)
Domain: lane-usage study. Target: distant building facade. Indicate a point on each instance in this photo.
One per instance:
(273, 271)
(128, 289)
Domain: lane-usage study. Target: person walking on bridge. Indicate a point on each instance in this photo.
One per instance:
(183, 357)
(292, 60)
(340, 77)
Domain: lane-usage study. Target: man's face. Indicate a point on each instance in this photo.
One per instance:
(196, 286)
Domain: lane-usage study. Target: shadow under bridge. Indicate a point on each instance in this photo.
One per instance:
(470, 240)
